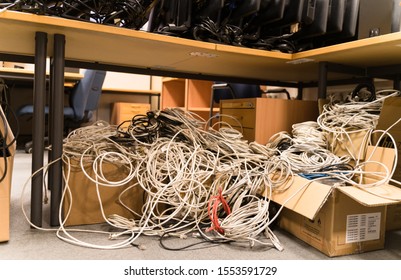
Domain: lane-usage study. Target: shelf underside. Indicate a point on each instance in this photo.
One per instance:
(114, 46)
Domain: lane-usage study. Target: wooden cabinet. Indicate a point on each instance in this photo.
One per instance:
(191, 95)
(123, 111)
(260, 118)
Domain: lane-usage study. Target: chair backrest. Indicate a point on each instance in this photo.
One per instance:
(86, 94)
(223, 90)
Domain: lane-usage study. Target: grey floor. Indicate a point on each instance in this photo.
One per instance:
(34, 244)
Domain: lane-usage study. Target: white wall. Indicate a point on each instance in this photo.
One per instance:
(116, 80)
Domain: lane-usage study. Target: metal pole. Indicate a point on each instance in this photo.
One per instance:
(57, 128)
(38, 127)
(322, 82)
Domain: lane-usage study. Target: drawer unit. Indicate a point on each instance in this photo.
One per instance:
(239, 117)
(260, 118)
(122, 111)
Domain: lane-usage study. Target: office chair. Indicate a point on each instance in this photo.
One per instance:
(222, 90)
(83, 101)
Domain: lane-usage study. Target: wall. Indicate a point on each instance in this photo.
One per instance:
(123, 81)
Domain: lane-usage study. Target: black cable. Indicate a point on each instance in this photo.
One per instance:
(210, 244)
(4, 148)
(5, 153)
(337, 167)
(370, 87)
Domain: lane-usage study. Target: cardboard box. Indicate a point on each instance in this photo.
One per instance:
(389, 115)
(338, 220)
(6, 169)
(85, 205)
(352, 143)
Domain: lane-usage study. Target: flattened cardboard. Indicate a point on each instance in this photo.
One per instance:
(5, 185)
(86, 208)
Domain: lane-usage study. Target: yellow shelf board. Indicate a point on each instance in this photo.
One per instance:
(111, 45)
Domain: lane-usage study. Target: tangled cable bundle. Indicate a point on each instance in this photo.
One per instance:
(305, 150)
(353, 115)
(198, 180)
(190, 174)
(343, 120)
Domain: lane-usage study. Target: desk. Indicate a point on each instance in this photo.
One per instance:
(28, 75)
(88, 45)
(149, 93)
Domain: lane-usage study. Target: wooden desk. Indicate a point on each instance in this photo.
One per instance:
(26, 74)
(149, 93)
(31, 38)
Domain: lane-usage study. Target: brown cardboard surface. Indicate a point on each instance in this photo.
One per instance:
(5, 185)
(339, 220)
(303, 196)
(352, 143)
(86, 208)
(390, 113)
(385, 194)
(338, 227)
(374, 196)
(122, 111)
(383, 155)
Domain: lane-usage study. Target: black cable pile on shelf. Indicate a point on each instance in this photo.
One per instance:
(275, 25)
(131, 14)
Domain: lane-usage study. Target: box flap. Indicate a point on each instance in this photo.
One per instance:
(374, 196)
(389, 115)
(385, 156)
(303, 196)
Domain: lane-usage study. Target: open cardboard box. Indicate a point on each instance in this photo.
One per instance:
(338, 220)
(86, 208)
(6, 169)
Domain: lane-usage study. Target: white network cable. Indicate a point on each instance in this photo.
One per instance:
(180, 167)
(9, 6)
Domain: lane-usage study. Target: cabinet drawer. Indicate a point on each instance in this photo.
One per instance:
(122, 111)
(238, 104)
(247, 133)
(235, 117)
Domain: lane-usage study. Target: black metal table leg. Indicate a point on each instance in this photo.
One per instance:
(322, 82)
(39, 98)
(56, 129)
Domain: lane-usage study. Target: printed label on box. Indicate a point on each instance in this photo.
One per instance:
(363, 227)
(314, 228)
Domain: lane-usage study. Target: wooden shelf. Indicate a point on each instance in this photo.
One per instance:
(192, 95)
(116, 46)
(27, 73)
(131, 91)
